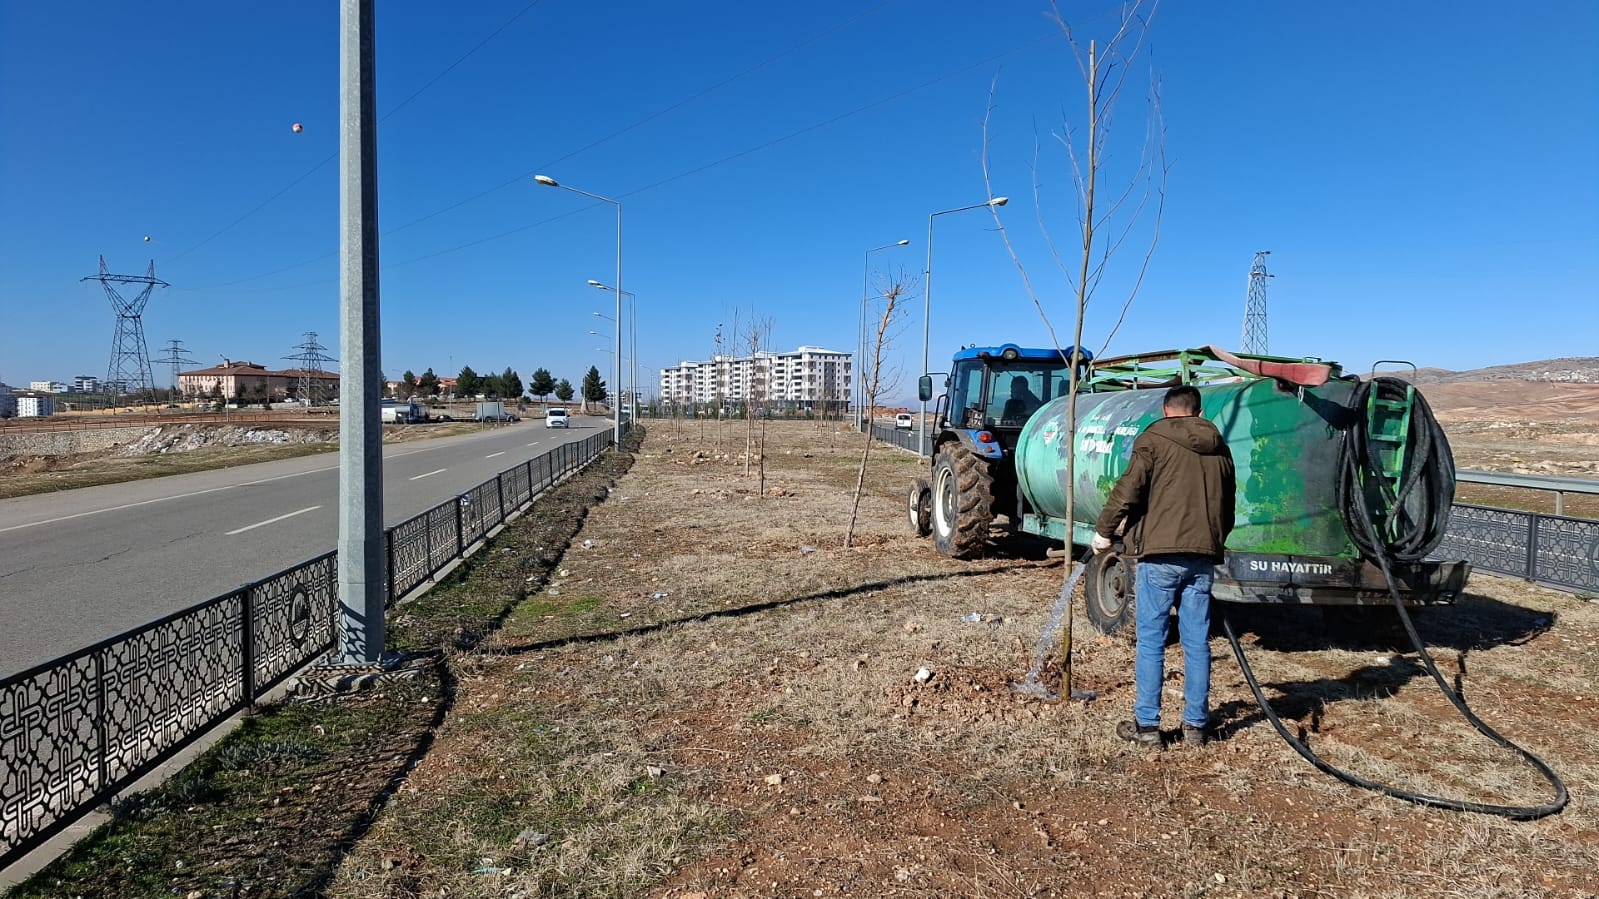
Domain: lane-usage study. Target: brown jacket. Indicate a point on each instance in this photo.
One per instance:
(1177, 494)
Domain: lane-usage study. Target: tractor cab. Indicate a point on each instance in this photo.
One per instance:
(996, 389)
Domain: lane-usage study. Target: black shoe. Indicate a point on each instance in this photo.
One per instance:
(1139, 735)
(1194, 736)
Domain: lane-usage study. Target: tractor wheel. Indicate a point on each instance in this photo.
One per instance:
(1108, 591)
(919, 507)
(963, 500)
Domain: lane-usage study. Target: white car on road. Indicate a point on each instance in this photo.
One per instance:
(556, 418)
(904, 421)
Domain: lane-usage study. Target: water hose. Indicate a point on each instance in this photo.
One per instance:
(1421, 503)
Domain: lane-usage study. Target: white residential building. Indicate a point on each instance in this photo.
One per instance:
(35, 405)
(86, 384)
(810, 377)
(48, 386)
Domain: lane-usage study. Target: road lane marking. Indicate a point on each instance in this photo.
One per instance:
(159, 499)
(290, 475)
(429, 474)
(251, 527)
(534, 443)
(492, 455)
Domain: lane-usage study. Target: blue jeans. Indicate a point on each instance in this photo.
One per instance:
(1161, 581)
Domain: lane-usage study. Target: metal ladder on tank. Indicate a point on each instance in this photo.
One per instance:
(1388, 429)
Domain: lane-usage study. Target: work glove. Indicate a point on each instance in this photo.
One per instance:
(1100, 543)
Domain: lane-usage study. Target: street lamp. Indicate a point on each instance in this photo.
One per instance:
(927, 302)
(860, 343)
(632, 328)
(616, 408)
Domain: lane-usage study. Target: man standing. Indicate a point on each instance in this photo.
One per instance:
(1175, 508)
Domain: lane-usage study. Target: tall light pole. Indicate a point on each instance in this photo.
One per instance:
(927, 302)
(632, 328)
(616, 406)
(360, 566)
(861, 412)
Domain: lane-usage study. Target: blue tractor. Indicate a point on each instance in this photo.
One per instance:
(989, 393)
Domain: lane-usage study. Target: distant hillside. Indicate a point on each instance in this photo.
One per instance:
(1574, 370)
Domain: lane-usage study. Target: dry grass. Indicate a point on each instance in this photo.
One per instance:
(712, 697)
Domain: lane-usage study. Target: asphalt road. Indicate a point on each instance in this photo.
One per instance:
(79, 566)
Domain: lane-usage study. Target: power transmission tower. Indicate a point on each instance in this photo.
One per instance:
(129, 371)
(311, 357)
(176, 356)
(1255, 307)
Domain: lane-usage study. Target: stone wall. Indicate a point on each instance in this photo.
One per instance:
(65, 443)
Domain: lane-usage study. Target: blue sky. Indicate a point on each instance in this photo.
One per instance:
(1427, 181)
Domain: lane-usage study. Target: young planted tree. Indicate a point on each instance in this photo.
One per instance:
(887, 312)
(755, 336)
(1105, 224)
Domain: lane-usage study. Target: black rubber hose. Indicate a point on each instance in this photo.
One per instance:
(1430, 471)
(1427, 487)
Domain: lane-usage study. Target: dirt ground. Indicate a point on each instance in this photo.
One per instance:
(711, 696)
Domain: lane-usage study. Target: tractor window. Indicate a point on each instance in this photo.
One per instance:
(1018, 392)
(965, 392)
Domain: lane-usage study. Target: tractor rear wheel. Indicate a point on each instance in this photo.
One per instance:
(919, 507)
(1108, 592)
(963, 501)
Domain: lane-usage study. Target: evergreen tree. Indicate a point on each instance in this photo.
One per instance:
(510, 384)
(428, 384)
(492, 387)
(467, 383)
(542, 383)
(594, 387)
(407, 385)
(563, 391)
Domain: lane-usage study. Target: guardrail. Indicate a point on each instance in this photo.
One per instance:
(1554, 550)
(1559, 486)
(77, 730)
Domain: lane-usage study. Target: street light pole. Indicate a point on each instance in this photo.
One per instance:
(632, 354)
(616, 405)
(861, 412)
(927, 303)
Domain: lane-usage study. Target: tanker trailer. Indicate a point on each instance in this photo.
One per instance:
(1331, 470)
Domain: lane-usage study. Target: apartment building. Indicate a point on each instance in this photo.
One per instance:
(8, 402)
(809, 377)
(48, 386)
(35, 405)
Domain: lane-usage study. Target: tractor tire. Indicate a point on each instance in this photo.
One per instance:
(1108, 592)
(963, 504)
(919, 508)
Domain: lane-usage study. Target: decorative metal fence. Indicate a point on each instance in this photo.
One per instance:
(77, 730)
(1546, 549)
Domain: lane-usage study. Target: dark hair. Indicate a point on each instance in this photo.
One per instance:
(1183, 399)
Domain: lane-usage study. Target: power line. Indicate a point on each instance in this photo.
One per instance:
(685, 174)
(401, 105)
(744, 73)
